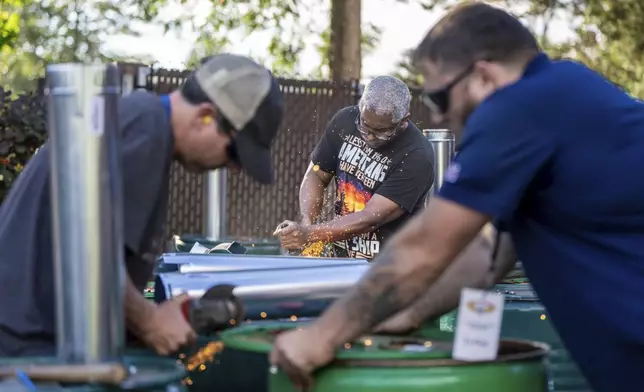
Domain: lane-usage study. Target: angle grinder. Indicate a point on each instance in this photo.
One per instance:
(216, 310)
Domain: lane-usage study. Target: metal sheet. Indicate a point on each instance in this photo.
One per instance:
(194, 263)
(86, 194)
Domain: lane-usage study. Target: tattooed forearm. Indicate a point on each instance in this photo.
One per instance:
(384, 291)
(413, 259)
(470, 269)
(399, 275)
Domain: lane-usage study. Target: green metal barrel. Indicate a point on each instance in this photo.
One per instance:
(147, 374)
(394, 364)
(525, 317)
(254, 246)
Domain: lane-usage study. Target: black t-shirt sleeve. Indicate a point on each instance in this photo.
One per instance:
(409, 181)
(145, 156)
(325, 154)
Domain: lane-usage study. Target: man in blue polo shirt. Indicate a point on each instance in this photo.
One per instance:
(550, 150)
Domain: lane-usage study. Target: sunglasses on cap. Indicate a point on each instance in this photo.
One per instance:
(383, 134)
(438, 100)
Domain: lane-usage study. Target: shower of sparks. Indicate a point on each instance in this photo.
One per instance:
(201, 358)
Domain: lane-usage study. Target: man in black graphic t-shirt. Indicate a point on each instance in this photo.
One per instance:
(383, 169)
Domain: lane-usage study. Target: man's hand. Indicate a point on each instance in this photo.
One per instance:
(167, 330)
(294, 354)
(401, 322)
(292, 235)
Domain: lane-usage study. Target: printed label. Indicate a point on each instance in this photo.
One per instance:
(478, 327)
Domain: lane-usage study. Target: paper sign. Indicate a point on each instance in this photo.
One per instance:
(198, 248)
(97, 115)
(478, 327)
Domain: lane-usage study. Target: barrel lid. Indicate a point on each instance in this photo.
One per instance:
(260, 338)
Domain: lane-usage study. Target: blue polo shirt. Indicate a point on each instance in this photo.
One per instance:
(558, 159)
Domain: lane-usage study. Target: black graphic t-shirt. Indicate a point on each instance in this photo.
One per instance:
(402, 171)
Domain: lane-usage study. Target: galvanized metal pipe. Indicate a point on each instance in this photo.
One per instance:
(195, 263)
(444, 143)
(293, 284)
(86, 194)
(216, 204)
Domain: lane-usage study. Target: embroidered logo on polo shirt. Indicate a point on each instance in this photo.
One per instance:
(452, 172)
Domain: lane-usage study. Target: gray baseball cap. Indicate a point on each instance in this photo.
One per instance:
(248, 97)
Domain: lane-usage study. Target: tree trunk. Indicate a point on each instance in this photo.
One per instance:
(345, 61)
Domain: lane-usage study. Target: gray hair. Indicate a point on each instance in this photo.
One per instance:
(386, 96)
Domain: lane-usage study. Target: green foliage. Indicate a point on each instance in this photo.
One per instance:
(9, 25)
(407, 72)
(284, 19)
(23, 129)
(249, 17)
(611, 41)
(53, 31)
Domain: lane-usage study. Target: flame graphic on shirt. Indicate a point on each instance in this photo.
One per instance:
(353, 197)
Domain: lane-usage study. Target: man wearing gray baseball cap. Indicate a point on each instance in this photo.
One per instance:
(226, 114)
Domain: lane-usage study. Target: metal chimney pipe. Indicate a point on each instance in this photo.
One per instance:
(444, 143)
(189, 263)
(216, 204)
(325, 282)
(272, 294)
(87, 211)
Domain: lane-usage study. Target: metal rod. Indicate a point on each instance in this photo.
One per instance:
(195, 263)
(87, 212)
(444, 143)
(216, 204)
